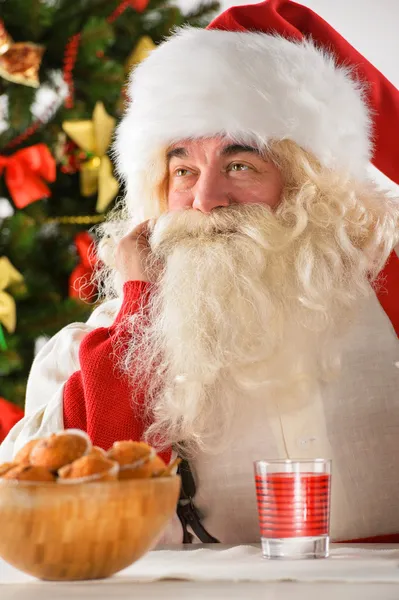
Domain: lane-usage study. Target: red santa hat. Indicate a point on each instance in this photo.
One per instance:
(273, 70)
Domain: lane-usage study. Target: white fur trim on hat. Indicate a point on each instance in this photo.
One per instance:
(252, 87)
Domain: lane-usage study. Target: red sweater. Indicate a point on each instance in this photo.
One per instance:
(98, 398)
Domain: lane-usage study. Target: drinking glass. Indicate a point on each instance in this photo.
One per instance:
(293, 499)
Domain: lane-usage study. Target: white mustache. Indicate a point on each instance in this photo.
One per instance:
(236, 220)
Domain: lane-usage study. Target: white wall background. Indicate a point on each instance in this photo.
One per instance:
(371, 26)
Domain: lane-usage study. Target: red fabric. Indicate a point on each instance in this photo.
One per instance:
(98, 398)
(295, 21)
(10, 414)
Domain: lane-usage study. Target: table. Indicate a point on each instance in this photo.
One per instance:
(168, 590)
(121, 587)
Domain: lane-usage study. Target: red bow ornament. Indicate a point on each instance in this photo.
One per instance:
(25, 171)
(80, 284)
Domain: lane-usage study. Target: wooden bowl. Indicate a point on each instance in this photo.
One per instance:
(82, 531)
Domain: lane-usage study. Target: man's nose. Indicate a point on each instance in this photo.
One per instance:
(210, 192)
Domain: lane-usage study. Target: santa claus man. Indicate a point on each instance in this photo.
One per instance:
(244, 316)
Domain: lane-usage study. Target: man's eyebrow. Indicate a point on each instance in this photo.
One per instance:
(238, 148)
(229, 150)
(178, 152)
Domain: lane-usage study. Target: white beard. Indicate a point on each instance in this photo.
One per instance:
(247, 298)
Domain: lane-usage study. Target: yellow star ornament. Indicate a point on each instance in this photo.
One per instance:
(8, 311)
(94, 138)
(144, 46)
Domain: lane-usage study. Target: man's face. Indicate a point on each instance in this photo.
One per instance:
(213, 172)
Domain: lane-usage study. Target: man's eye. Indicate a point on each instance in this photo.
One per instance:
(238, 167)
(182, 172)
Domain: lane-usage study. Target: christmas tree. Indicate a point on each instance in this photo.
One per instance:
(63, 72)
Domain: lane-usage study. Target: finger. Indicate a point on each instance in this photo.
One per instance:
(144, 229)
(140, 230)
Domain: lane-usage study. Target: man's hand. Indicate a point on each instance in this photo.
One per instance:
(133, 255)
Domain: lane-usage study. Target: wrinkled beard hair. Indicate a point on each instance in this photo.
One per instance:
(250, 300)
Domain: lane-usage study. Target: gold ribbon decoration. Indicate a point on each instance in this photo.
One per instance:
(78, 220)
(8, 311)
(93, 137)
(19, 62)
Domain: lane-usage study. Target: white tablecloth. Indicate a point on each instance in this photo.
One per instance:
(212, 571)
(346, 564)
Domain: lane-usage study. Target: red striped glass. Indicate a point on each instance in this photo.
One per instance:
(293, 499)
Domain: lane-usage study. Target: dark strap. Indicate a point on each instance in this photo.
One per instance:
(187, 512)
